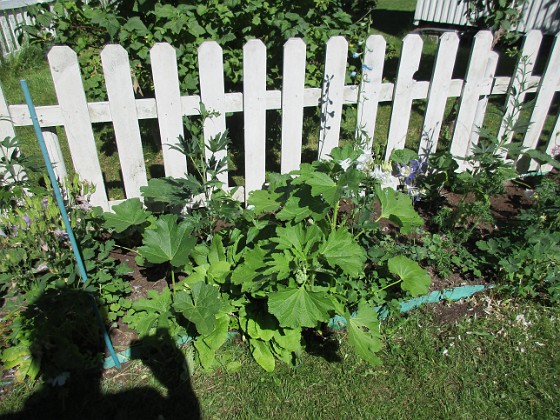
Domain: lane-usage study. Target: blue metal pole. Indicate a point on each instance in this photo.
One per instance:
(64, 214)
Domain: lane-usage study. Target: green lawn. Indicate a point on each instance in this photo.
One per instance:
(502, 363)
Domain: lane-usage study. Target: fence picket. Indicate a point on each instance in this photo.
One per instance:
(254, 114)
(169, 110)
(472, 89)
(553, 142)
(403, 93)
(293, 83)
(212, 94)
(7, 130)
(370, 88)
(478, 121)
(55, 153)
(332, 94)
(523, 71)
(438, 93)
(72, 100)
(546, 90)
(116, 69)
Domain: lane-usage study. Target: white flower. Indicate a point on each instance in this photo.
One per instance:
(386, 177)
(346, 163)
(364, 161)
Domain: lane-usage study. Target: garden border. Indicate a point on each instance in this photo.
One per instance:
(338, 322)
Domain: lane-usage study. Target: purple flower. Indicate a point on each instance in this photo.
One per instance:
(45, 202)
(60, 234)
(555, 151)
(27, 220)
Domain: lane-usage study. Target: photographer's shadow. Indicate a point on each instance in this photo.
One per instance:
(66, 340)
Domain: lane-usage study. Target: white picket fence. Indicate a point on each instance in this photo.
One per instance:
(170, 104)
(13, 14)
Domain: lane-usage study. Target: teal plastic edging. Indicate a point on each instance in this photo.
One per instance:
(338, 322)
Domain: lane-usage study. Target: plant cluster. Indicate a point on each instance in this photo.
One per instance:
(36, 256)
(297, 256)
(137, 25)
(500, 16)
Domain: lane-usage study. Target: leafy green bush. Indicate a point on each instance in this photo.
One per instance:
(87, 25)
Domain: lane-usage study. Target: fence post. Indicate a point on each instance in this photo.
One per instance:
(402, 95)
(169, 112)
(7, 130)
(370, 88)
(122, 104)
(438, 93)
(470, 95)
(293, 83)
(212, 95)
(332, 95)
(55, 153)
(545, 93)
(254, 114)
(71, 96)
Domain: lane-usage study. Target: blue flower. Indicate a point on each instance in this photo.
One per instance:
(353, 74)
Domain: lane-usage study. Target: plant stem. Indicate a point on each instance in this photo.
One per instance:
(390, 284)
(173, 281)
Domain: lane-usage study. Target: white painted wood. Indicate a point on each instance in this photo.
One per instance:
(478, 122)
(519, 84)
(13, 29)
(69, 89)
(254, 114)
(55, 153)
(472, 90)
(116, 69)
(7, 130)
(212, 93)
(439, 92)
(402, 97)
(370, 88)
(554, 142)
(293, 84)
(169, 112)
(9, 46)
(545, 94)
(332, 94)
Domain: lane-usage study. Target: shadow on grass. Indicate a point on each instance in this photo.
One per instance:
(67, 344)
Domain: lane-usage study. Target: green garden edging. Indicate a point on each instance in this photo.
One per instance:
(338, 322)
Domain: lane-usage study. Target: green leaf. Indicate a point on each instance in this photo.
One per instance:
(366, 342)
(262, 354)
(128, 213)
(296, 308)
(288, 338)
(414, 278)
(265, 201)
(323, 185)
(168, 242)
(209, 344)
(257, 323)
(200, 306)
(403, 156)
(341, 250)
(155, 302)
(398, 208)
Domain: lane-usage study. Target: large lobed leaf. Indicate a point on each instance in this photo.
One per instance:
(414, 278)
(168, 242)
(296, 308)
(340, 250)
(125, 215)
(398, 208)
(200, 306)
(363, 333)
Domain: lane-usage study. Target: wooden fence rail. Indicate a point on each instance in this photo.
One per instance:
(170, 105)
